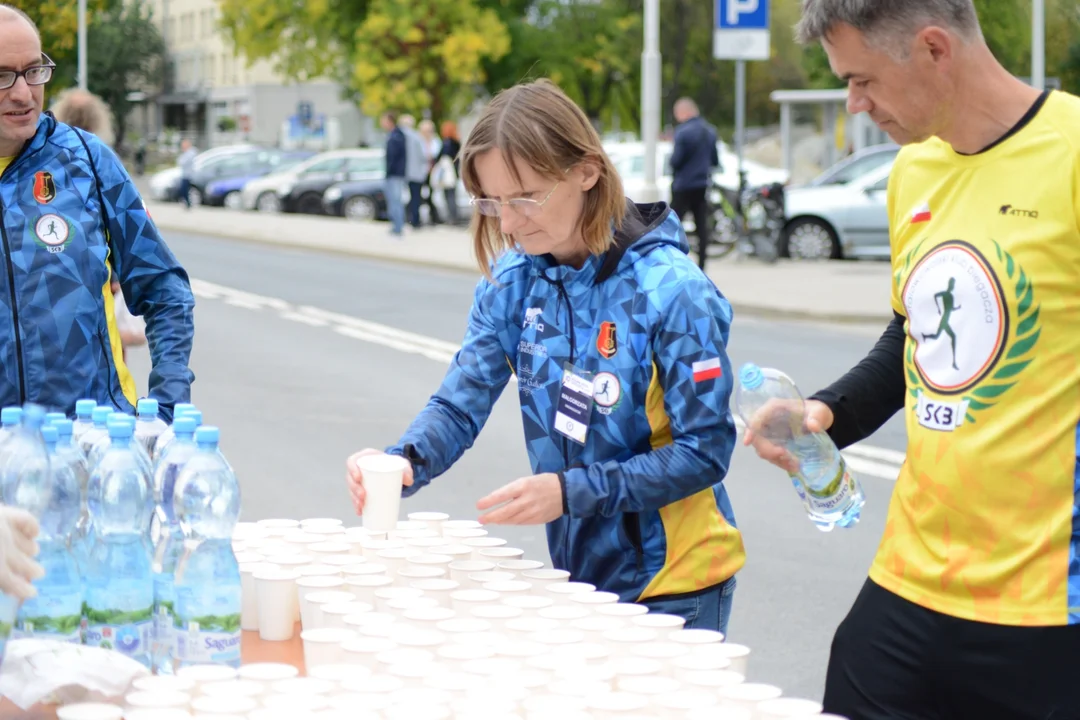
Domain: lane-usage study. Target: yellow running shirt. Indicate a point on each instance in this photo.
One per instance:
(986, 267)
(4, 162)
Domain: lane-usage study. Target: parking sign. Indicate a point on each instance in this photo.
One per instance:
(741, 30)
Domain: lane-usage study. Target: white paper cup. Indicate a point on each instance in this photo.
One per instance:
(518, 566)
(278, 606)
(295, 704)
(410, 525)
(461, 525)
(594, 626)
(454, 654)
(364, 568)
(526, 625)
(202, 674)
(561, 591)
(278, 523)
(457, 552)
(303, 686)
(530, 604)
(625, 612)
(364, 586)
(661, 622)
(318, 569)
(748, 695)
(558, 638)
(321, 522)
(497, 615)
(249, 594)
(479, 579)
(415, 637)
(481, 543)
(691, 663)
(249, 557)
(464, 629)
(413, 676)
(739, 655)
(267, 672)
(592, 600)
(492, 666)
(437, 588)
(232, 705)
(372, 547)
(546, 576)
(399, 606)
(404, 656)
(90, 711)
(353, 705)
(459, 536)
(500, 554)
(396, 558)
(234, 688)
(302, 538)
(724, 713)
(460, 570)
(432, 559)
(323, 646)
(509, 588)
(427, 618)
(432, 520)
(318, 585)
(711, 680)
(652, 685)
(333, 547)
(418, 572)
(383, 476)
(629, 666)
(311, 602)
(375, 684)
(588, 654)
(787, 708)
(427, 544)
(359, 621)
(623, 640)
(384, 595)
(338, 673)
(342, 561)
(333, 614)
(143, 699)
(565, 614)
(363, 650)
(665, 652)
(677, 704)
(462, 601)
(163, 683)
(696, 637)
(614, 705)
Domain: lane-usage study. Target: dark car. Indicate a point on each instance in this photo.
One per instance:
(250, 162)
(356, 200)
(226, 192)
(306, 194)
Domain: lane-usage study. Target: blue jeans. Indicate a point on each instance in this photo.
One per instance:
(395, 205)
(416, 198)
(707, 611)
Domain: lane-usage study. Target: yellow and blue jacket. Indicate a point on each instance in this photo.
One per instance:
(70, 217)
(645, 511)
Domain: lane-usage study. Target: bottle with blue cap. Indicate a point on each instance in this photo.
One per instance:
(25, 483)
(206, 503)
(770, 404)
(168, 537)
(10, 417)
(84, 418)
(56, 612)
(148, 426)
(119, 585)
(69, 455)
(52, 417)
(100, 429)
(179, 410)
(96, 452)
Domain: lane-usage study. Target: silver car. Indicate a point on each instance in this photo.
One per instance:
(842, 218)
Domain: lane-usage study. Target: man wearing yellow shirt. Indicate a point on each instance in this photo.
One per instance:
(972, 607)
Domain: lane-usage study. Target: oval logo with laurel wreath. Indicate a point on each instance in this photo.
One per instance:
(966, 340)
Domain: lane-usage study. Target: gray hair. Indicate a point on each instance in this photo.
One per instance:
(85, 111)
(886, 20)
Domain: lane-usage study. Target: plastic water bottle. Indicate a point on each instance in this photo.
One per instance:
(206, 501)
(119, 586)
(148, 426)
(10, 417)
(166, 437)
(769, 401)
(56, 612)
(96, 452)
(84, 420)
(24, 483)
(100, 429)
(168, 539)
(69, 455)
(52, 417)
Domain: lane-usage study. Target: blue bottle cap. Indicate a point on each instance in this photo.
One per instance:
(83, 408)
(147, 407)
(101, 414)
(52, 417)
(207, 435)
(750, 376)
(119, 429)
(11, 415)
(184, 425)
(182, 408)
(64, 428)
(49, 434)
(195, 414)
(33, 416)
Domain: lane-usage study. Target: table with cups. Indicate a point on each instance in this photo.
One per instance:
(435, 618)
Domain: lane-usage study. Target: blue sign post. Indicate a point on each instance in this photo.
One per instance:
(741, 33)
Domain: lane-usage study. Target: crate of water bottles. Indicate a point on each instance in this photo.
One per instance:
(136, 521)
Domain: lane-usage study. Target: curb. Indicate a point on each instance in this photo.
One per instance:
(750, 309)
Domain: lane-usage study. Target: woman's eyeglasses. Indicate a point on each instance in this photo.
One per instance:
(525, 207)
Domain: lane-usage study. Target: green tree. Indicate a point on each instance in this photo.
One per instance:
(58, 23)
(113, 75)
(425, 55)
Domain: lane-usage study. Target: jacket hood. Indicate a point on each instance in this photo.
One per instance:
(646, 227)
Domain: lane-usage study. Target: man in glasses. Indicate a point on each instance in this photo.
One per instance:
(70, 222)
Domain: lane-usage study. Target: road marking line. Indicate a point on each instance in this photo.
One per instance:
(862, 459)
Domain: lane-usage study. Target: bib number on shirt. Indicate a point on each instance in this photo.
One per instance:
(575, 404)
(938, 415)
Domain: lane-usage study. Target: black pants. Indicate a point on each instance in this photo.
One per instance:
(892, 659)
(416, 198)
(696, 201)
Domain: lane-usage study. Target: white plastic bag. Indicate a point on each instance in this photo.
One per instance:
(51, 671)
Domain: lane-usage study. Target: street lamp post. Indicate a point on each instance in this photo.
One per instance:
(82, 45)
(1038, 44)
(650, 97)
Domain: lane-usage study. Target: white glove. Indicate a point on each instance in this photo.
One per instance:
(18, 570)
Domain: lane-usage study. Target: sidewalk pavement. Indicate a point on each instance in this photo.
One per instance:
(844, 292)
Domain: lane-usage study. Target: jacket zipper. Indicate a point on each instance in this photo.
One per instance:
(108, 367)
(11, 288)
(563, 295)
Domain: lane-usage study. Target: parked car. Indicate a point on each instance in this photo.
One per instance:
(300, 188)
(838, 220)
(856, 164)
(254, 162)
(165, 184)
(356, 200)
(226, 192)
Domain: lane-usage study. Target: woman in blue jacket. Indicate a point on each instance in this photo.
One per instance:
(618, 344)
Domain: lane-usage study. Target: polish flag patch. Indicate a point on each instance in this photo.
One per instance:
(707, 370)
(921, 214)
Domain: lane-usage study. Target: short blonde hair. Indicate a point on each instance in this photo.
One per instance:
(538, 125)
(85, 111)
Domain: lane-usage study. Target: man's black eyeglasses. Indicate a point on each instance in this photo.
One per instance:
(34, 75)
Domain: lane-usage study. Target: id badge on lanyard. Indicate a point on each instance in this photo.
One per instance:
(575, 404)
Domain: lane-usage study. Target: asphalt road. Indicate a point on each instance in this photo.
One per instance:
(290, 365)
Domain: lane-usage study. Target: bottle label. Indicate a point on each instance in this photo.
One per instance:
(65, 629)
(164, 642)
(208, 640)
(834, 497)
(128, 632)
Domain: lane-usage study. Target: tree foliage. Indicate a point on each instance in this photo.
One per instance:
(58, 24)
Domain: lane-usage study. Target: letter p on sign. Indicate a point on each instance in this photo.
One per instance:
(735, 8)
